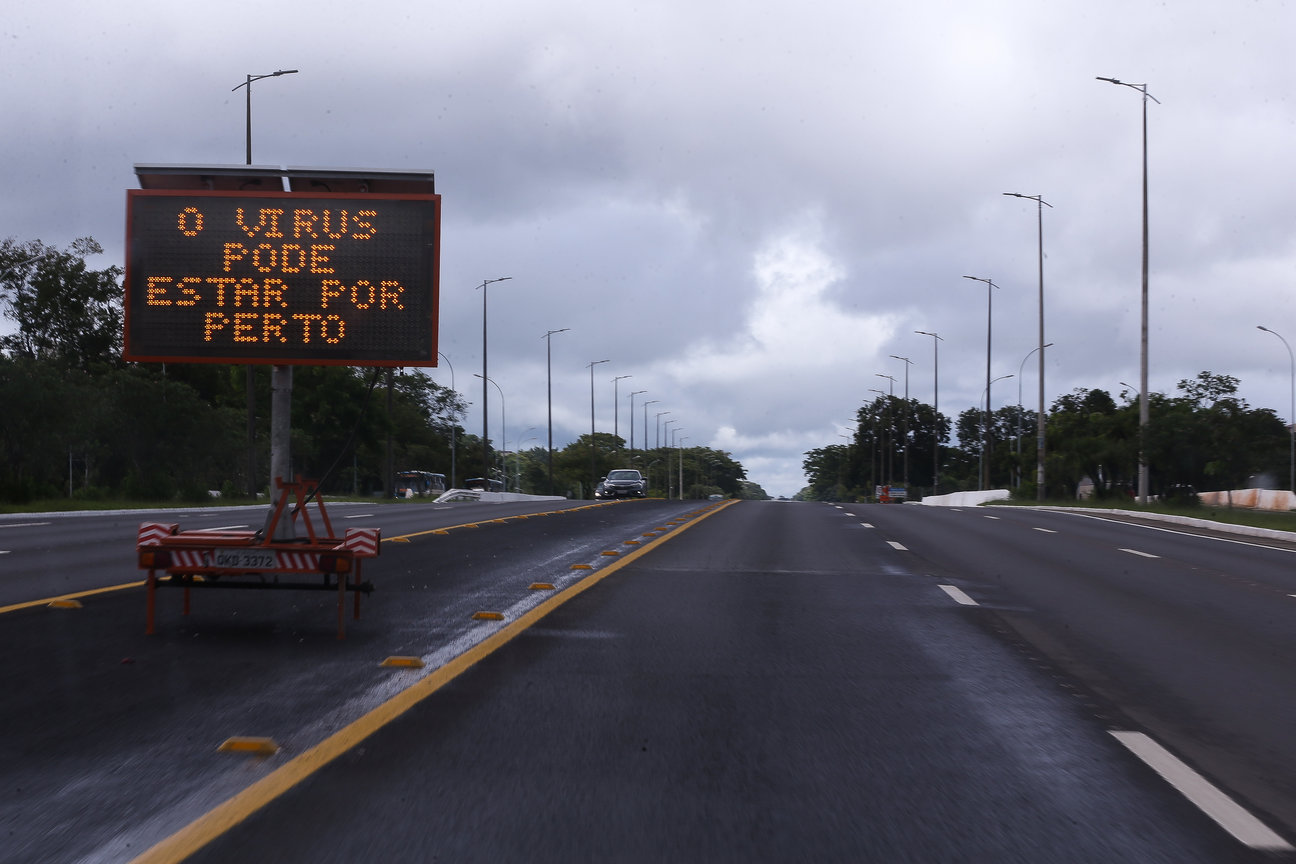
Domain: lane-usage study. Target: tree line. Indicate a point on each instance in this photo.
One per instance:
(1202, 437)
(81, 423)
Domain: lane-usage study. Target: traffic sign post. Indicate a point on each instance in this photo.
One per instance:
(282, 266)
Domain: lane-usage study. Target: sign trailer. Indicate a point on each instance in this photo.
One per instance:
(226, 265)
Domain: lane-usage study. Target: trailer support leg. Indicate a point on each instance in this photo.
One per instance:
(357, 590)
(150, 603)
(342, 585)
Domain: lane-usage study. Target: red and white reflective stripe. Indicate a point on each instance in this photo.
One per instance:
(298, 561)
(188, 558)
(363, 541)
(150, 533)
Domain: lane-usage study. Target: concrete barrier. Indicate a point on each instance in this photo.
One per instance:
(496, 497)
(966, 499)
(1250, 499)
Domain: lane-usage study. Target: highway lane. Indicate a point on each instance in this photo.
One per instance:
(1191, 637)
(110, 737)
(777, 683)
(774, 682)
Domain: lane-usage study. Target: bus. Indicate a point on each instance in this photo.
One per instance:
(419, 484)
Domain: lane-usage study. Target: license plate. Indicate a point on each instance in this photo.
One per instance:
(244, 559)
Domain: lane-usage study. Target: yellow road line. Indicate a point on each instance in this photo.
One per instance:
(48, 600)
(404, 538)
(227, 815)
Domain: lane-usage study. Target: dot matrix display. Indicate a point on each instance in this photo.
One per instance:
(280, 277)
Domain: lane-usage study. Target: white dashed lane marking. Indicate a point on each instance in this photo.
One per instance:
(1046, 530)
(1140, 554)
(958, 596)
(1226, 812)
(896, 546)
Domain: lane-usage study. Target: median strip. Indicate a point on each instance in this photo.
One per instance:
(235, 810)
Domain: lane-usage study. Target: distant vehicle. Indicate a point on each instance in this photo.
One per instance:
(478, 484)
(622, 483)
(419, 484)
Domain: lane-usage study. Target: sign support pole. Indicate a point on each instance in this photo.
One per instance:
(281, 382)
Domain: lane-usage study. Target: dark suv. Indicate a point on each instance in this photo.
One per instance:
(622, 483)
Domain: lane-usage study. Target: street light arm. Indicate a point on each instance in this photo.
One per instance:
(1036, 198)
(1142, 88)
(980, 279)
(252, 78)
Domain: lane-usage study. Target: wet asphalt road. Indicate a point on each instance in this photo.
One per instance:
(774, 682)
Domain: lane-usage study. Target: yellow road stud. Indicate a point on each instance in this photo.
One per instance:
(403, 662)
(255, 746)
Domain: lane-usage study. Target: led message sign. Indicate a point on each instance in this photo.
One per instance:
(282, 277)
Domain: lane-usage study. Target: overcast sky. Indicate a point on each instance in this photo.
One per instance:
(747, 207)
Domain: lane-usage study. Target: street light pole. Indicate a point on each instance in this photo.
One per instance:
(503, 431)
(517, 460)
(281, 376)
(616, 406)
(645, 412)
(1143, 351)
(1039, 419)
(454, 416)
(633, 393)
(985, 462)
(876, 474)
(890, 431)
(485, 392)
(936, 340)
(1020, 368)
(660, 414)
(1291, 421)
(549, 390)
(593, 467)
(983, 482)
(680, 459)
(905, 461)
(248, 86)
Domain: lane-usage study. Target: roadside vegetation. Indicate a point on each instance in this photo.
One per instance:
(1203, 437)
(81, 428)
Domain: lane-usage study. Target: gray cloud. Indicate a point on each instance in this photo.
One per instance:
(746, 206)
